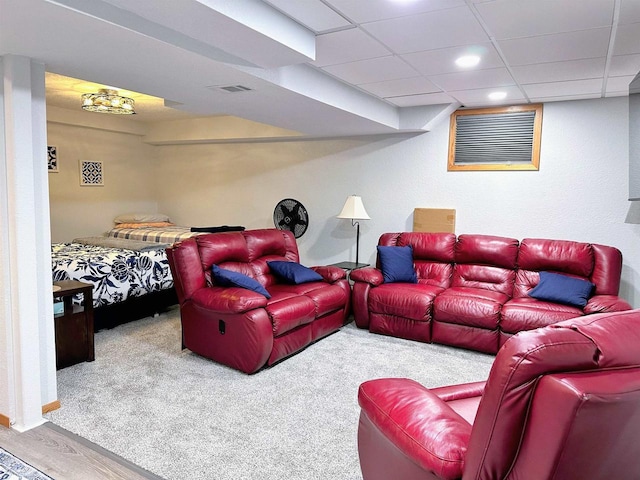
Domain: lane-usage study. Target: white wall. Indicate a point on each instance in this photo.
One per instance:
(579, 193)
(80, 211)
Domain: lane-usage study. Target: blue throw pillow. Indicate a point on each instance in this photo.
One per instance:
(396, 264)
(227, 278)
(292, 272)
(557, 288)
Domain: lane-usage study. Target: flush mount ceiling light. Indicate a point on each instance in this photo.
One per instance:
(497, 95)
(468, 61)
(108, 101)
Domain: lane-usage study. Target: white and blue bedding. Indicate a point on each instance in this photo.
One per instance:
(116, 274)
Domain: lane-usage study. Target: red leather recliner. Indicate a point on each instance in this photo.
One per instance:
(239, 327)
(561, 402)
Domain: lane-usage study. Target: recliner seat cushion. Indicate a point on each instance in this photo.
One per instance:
(290, 313)
(412, 301)
(475, 307)
(527, 313)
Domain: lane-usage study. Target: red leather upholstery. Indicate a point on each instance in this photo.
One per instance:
(243, 329)
(561, 402)
(473, 290)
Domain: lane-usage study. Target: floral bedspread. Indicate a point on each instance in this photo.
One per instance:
(116, 274)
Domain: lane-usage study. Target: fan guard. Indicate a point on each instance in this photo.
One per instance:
(291, 215)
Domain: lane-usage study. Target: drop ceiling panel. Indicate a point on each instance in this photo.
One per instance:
(434, 62)
(311, 13)
(423, 99)
(405, 86)
(374, 70)
(619, 84)
(556, 89)
(362, 11)
(495, 77)
(479, 97)
(624, 65)
(557, 48)
(629, 12)
(330, 47)
(428, 31)
(525, 18)
(627, 39)
(560, 71)
(562, 98)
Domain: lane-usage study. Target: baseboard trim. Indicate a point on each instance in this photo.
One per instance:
(50, 407)
(4, 421)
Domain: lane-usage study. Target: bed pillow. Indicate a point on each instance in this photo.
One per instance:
(144, 225)
(396, 264)
(228, 278)
(141, 218)
(292, 272)
(557, 288)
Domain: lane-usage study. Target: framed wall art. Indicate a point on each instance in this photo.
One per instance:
(52, 159)
(91, 173)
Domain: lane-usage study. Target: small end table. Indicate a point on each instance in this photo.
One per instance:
(348, 266)
(74, 326)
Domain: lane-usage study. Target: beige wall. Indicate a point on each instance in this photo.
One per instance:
(78, 211)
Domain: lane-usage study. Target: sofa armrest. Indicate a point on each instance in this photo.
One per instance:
(606, 303)
(369, 275)
(461, 391)
(329, 273)
(228, 299)
(419, 423)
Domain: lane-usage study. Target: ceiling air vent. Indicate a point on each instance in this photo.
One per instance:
(233, 88)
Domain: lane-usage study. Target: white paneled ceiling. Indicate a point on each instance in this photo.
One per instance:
(333, 67)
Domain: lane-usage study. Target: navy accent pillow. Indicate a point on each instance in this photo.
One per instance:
(292, 272)
(396, 264)
(227, 278)
(557, 288)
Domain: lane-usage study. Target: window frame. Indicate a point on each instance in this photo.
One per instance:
(535, 150)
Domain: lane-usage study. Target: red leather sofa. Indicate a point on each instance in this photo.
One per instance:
(472, 291)
(241, 328)
(561, 402)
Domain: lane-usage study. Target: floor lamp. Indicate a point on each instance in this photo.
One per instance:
(354, 210)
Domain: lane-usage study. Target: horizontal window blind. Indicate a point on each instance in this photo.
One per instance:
(501, 138)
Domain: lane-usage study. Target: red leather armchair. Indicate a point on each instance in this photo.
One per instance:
(239, 327)
(561, 402)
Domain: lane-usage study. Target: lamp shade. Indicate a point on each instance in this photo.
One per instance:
(354, 209)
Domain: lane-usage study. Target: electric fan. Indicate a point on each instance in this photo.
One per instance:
(291, 215)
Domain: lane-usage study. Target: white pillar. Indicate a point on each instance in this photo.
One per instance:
(27, 345)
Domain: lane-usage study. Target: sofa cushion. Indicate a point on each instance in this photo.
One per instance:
(557, 288)
(475, 307)
(526, 313)
(228, 278)
(413, 301)
(396, 264)
(292, 272)
(290, 313)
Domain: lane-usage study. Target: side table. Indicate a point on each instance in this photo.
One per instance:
(74, 326)
(348, 266)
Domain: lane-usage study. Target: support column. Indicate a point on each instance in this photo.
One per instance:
(27, 345)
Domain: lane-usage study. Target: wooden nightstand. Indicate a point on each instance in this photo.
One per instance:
(74, 326)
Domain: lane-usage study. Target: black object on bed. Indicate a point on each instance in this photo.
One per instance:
(221, 228)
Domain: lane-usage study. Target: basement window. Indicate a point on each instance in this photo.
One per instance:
(503, 138)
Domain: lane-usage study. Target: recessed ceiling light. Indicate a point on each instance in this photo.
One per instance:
(468, 61)
(497, 95)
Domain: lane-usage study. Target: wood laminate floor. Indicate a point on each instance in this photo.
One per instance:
(65, 456)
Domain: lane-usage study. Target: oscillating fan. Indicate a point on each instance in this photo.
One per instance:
(291, 215)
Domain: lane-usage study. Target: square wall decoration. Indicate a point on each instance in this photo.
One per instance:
(91, 173)
(52, 159)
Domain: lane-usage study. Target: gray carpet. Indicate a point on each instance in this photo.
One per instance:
(182, 416)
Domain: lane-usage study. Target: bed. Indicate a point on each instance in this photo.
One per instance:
(130, 279)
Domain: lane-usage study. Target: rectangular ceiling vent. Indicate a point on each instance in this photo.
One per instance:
(231, 88)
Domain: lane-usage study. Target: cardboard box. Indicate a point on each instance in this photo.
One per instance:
(434, 220)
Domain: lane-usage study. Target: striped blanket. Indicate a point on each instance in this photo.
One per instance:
(159, 235)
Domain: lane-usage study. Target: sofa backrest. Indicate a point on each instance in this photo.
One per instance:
(485, 261)
(433, 254)
(600, 264)
(532, 416)
(245, 252)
